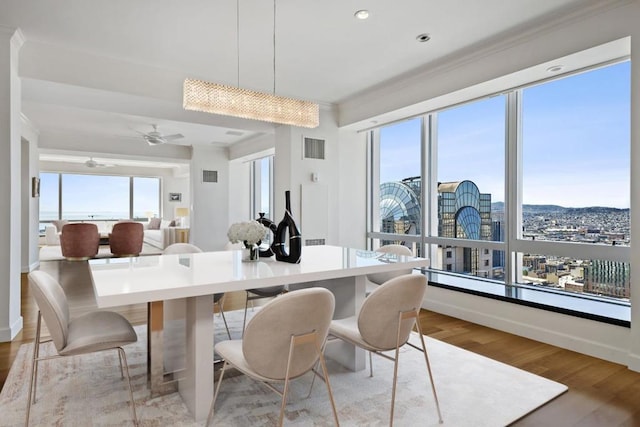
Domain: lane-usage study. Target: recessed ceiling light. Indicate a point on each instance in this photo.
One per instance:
(424, 37)
(555, 68)
(362, 14)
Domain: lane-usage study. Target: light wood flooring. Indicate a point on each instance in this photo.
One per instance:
(600, 393)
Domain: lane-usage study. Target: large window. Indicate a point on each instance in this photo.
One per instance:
(527, 191)
(400, 191)
(79, 197)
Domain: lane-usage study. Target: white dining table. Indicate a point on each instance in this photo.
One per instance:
(194, 278)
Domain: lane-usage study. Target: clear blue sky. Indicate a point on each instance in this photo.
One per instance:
(575, 142)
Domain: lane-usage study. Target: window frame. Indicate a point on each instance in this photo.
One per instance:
(514, 244)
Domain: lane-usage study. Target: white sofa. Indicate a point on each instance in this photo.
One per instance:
(162, 237)
(52, 235)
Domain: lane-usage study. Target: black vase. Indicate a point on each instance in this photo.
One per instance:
(273, 227)
(295, 238)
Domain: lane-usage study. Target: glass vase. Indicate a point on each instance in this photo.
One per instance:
(251, 252)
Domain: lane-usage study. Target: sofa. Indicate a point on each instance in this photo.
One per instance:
(164, 235)
(52, 231)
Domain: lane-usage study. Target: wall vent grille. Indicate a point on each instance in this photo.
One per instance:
(313, 148)
(209, 176)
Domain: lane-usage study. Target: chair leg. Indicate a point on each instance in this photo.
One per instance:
(34, 374)
(395, 382)
(121, 369)
(326, 380)
(123, 358)
(370, 365)
(246, 306)
(286, 381)
(426, 359)
(215, 395)
(224, 319)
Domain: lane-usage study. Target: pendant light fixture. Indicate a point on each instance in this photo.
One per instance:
(227, 100)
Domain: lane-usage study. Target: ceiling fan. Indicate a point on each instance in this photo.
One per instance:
(94, 164)
(155, 138)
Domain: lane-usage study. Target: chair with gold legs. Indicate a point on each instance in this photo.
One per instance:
(385, 322)
(92, 332)
(283, 341)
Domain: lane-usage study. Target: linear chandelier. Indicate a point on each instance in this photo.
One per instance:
(199, 95)
(234, 101)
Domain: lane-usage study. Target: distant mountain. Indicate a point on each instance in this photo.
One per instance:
(499, 206)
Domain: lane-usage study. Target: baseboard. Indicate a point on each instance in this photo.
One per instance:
(8, 334)
(509, 318)
(29, 268)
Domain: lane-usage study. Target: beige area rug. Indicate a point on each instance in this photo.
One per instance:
(473, 391)
(53, 253)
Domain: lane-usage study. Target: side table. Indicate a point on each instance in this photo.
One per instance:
(182, 235)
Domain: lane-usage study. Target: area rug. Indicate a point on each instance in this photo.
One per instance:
(473, 391)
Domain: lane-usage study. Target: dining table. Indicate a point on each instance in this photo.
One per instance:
(192, 279)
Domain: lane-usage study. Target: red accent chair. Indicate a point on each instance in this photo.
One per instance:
(126, 238)
(79, 241)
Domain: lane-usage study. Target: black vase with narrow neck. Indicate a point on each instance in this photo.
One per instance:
(287, 226)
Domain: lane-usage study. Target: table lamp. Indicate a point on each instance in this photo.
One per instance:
(182, 213)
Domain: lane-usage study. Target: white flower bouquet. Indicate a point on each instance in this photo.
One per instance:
(249, 233)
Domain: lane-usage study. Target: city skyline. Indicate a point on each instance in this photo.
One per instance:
(571, 127)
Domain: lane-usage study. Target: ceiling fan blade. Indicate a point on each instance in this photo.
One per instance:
(172, 137)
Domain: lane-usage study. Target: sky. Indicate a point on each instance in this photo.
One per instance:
(98, 194)
(576, 141)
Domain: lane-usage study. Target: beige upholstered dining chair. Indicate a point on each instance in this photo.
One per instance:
(385, 322)
(188, 248)
(92, 332)
(394, 249)
(283, 341)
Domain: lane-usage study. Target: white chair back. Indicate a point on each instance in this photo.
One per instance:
(181, 248)
(379, 315)
(52, 303)
(267, 338)
(380, 278)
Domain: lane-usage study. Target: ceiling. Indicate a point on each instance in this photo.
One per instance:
(107, 70)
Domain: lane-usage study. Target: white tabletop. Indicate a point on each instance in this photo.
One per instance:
(122, 281)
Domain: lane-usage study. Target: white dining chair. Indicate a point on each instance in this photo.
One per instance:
(89, 333)
(379, 278)
(283, 341)
(385, 322)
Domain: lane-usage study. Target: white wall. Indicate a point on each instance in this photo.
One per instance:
(172, 184)
(30, 205)
(291, 171)
(239, 191)
(210, 201)
(10, 184)
(352, 190)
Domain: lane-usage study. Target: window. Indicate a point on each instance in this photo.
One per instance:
(398, 196)
(49, 198)
(146, 197)
(79, 197)
(534, 150)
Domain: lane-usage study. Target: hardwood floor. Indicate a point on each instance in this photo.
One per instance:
(600, 393)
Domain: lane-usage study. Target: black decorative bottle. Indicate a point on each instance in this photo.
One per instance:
(295, 238)
(273, 227)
